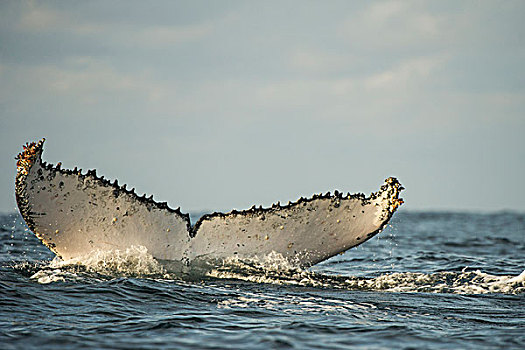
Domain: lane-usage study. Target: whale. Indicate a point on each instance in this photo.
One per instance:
(75, 213)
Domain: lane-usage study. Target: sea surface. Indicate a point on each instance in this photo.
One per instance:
(431, 280)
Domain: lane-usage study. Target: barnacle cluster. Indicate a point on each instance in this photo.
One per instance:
(27, 157)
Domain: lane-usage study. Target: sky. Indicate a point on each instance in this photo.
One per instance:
(214, 105)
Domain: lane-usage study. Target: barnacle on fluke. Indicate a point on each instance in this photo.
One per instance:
(74, 214)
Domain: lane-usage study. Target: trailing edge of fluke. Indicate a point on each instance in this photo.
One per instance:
(75, 213)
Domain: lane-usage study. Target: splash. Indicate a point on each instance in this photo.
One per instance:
(271, 269)
(132, 262)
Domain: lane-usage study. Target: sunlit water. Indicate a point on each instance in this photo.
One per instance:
(430, 280)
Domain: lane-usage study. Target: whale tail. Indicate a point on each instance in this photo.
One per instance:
(75, 213)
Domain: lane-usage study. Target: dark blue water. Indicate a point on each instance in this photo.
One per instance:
(431, 280)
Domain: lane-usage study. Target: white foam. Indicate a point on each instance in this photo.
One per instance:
(473, 282)
(293, 304)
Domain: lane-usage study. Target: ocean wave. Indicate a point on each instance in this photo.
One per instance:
(279, 271)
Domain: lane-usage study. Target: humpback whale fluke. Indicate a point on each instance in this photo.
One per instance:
(74, 214)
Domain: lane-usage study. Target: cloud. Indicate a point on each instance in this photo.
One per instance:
(37, 18)
(394, 24)
(85, 82)
(147, 37)
(320, 62)
(411, 73)
(404, 15)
